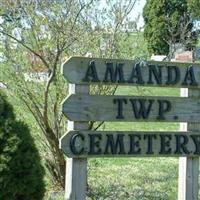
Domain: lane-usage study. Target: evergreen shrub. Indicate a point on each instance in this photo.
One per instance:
(21, 172)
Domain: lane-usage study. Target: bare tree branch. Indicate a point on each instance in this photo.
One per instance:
(27, 47)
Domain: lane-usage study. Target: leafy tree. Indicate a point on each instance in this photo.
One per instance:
(168, 22)
(37, 36)
(21, 172)
(194, 6)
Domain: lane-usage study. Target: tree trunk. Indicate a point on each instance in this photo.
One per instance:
(59, 159)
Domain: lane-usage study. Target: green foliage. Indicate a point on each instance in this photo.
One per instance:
(39, 37)
(21, 173)
(167, 23)
(194, 6)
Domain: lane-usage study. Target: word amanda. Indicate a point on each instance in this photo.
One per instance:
(155, 74)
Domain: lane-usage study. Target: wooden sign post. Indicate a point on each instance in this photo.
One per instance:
(76, 168)
(188, 181)
(188, 166)
(80, 107)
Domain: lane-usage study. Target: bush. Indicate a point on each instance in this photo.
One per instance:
(21, 172)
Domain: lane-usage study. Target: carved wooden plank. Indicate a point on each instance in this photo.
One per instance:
(131, 108)
(130, 143)
(82, 70)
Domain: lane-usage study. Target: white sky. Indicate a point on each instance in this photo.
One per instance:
(138, 11)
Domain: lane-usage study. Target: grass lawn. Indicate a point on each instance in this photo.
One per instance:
(135, 178)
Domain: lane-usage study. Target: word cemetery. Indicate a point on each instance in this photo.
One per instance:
(85, 144)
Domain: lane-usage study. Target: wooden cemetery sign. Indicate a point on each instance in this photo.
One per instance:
(80, 108)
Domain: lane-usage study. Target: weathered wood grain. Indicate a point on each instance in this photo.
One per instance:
(76, 68)
(106, 108)
(130, 143)
(188, 181)
(76, 168)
